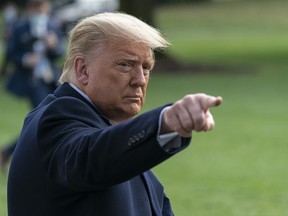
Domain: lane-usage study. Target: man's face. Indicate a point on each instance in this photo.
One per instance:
(118, 78)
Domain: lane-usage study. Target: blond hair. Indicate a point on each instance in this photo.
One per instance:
(88, 35)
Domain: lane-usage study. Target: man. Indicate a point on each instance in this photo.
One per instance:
(34, 47)
(82, 150)
(10, 17)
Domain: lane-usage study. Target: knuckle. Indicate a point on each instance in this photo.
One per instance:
(201, 95)
(190, 97)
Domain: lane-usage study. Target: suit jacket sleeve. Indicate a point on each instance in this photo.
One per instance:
(80, 150)
(18, 44)
(21, 43)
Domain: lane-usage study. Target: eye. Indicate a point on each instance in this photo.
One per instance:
(146, 71)
(124, 66)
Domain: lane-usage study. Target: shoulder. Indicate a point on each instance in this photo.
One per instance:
(66, 108)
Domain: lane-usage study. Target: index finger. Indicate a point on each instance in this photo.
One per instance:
(208, 101)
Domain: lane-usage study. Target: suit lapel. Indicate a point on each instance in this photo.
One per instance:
(155, 192)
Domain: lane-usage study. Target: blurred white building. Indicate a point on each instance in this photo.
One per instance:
(68, 12)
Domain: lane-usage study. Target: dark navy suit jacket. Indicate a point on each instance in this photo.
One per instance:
(70, 161)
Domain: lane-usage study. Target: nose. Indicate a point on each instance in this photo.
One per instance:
(138, 77)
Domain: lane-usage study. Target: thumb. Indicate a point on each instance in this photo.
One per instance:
(207, 101)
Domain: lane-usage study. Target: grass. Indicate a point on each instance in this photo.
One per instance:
(12, 114)
(231, 32)
(240, 167)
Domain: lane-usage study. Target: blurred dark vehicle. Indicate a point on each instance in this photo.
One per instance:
(68, 12)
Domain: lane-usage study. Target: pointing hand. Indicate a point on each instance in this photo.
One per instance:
(190, 113)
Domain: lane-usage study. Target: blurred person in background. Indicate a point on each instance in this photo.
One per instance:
(10, 17)
(85, 150)
(34, 48)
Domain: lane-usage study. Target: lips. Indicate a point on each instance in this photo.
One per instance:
(134, 97)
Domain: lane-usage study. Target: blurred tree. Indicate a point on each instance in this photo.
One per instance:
(183, 1)
(19, 3)
(143, 9)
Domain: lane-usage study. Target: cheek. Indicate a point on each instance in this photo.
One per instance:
(144, 88)
(106, 92)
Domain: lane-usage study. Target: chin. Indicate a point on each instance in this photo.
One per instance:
(134, 111)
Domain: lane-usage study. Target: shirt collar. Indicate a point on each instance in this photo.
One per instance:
(81, 93)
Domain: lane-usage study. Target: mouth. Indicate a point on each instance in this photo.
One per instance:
(134, 98)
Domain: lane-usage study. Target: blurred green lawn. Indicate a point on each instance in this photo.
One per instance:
(239, 168)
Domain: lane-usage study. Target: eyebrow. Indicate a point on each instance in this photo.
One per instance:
(129, 56)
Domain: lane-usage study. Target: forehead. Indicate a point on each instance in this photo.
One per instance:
(129, 49)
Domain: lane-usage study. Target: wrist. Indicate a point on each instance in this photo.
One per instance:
(164, 128)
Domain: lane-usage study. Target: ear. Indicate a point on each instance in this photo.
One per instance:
(80, 66)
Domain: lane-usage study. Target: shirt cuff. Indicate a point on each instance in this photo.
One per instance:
(165, 140)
